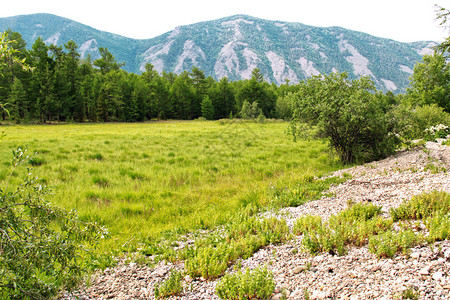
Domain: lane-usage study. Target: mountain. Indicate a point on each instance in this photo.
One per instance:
(234, 46)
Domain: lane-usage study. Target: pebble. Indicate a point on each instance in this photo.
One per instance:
(356, 275)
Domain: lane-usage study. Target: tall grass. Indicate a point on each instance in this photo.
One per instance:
(147, 179)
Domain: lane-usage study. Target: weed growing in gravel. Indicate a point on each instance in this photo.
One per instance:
(256, 284)
(245, 236)
(170, 287)
(352, 226)
(410, 293)
(422, 206)
(388, 243)
(439, 227)
(362, 224)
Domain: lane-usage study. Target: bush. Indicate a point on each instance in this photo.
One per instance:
(413, 122)
(41, 246)
(348, 114)
(256, 284)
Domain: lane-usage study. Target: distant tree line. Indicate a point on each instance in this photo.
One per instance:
(61, 86)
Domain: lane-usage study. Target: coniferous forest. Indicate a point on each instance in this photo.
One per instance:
(62, 87)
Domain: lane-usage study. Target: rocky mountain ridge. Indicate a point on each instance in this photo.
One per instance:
(233, 46)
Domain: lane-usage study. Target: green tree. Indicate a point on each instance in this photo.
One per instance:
(257, 90)
(246, 111)
(223, 98)
(18, 104)
(199, 84)
(430, 82)
(107, 62)
(207, 108)
(348, 114)
(443, 15)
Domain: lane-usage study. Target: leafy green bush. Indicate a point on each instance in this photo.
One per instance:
(307, 223)
(348, 114)
(413, 121)
(173, 286)
(437, 131)
(42, 247)
(256, 284)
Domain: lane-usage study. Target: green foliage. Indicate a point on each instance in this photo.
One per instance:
(255, 284)
(438, 226)
(347, 114)
(422, 206)
(43, 247)
(352, 226)
(410, 293)
(414, 121)
(207, 109)
(172, 286)
(388, 243)
(283, 109)
(247, 234)
(430, 82)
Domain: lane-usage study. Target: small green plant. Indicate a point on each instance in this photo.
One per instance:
(437, 131)
(439, 227)
(434, 168)
(410, 293)
(422, 206)
(352, 226)
(388, 243)
(256, 284)
(245, 236)
(172, 286)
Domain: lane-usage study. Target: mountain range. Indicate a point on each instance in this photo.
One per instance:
(233, 46)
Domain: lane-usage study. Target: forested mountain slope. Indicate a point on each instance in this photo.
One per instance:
(233, 46)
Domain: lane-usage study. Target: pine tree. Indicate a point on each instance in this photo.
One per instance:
(207, 108)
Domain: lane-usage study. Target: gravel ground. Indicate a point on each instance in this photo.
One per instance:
(357, 275)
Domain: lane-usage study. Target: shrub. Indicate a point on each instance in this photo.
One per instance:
(348, 114)
(437, 131)
(413, 121)
(256, 284)
(42, 247)
(439, 227)
(246, 235)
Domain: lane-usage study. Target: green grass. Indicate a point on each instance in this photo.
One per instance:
(147, 180)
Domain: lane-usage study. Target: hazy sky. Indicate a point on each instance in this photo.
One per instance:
(401, 20)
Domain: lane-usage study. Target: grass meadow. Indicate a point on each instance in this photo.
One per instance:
(144, 180)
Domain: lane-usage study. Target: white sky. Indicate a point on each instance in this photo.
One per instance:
(401, 20)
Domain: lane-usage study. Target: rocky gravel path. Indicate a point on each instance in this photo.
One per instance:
(357, 275)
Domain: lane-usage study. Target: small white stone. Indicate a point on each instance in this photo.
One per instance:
(437, 276)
